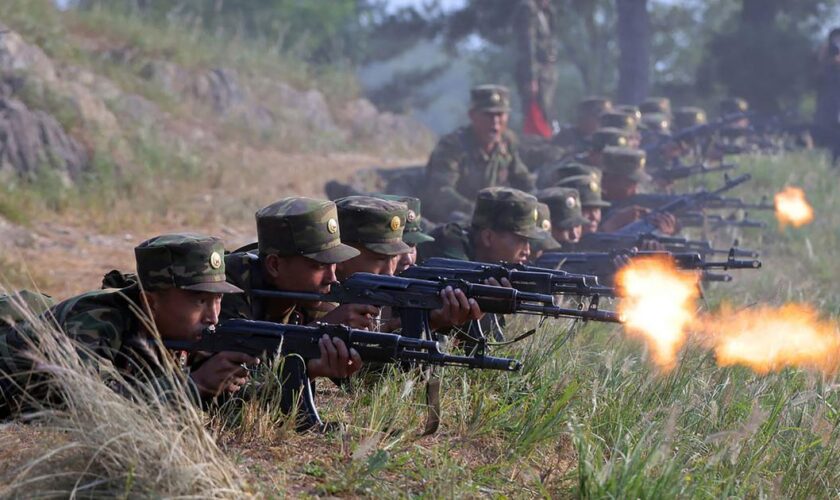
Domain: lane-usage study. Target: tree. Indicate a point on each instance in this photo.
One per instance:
(633, 29)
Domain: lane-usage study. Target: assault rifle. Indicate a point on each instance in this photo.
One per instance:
(656, 200)
(716, 221)
(692, 133)
(678, 172)
(266, 339)
(605, 242)
(681, 204)
(415, 298)
(523, 277)
(602, 264)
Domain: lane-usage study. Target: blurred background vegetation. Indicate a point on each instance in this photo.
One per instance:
(421, 56)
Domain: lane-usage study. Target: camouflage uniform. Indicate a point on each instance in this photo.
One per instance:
(544, 223)
(537, 58)
(687, 117)
(110, 323)
(289, 227)
(414, 232)
(627, 163)
(373, 223)
(458, 168)
(550, 174)
(589, 188)
(499, 209)
(564, 205)
(661, 105)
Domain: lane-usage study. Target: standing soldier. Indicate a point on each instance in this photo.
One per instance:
(480, 155)
(536, 65)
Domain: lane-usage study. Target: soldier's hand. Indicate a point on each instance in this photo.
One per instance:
(666, 223)
(353, 315)
(336, 361)
(456, 310)
(223, 372)
(623, 217)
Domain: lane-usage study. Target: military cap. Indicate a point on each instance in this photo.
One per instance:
(413, 233)
(594, 106)
(615, 119)
(630, 110)
(373, 223)
(553, 175)
(657, 122)
(626, 162)
(656, 105)
(507, 209)
(302, 226)
(544, 223)
(493, 98)
(733, 105)
(688, 116)
(608, 136)
(565, 207)
(183, 260)
(589, 188)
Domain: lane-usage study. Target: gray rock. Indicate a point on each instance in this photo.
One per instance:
(18, 56)
(31, 140)
(219, 88)
(168, 76)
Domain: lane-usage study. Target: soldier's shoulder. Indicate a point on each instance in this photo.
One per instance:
(239, 268)
(451, 241)
(457, 140)
(111, 312)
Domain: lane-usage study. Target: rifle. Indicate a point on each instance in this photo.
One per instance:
(739, 204)
(656, 200)
(523, 277)
(680, 204)
(715, 221)
(602, 264)
(691, 133)
(266, 339)
(605, 242)
(678, 172)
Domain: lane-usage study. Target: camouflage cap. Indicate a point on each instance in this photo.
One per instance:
(302, 226)
(492, 98)
(184, 260)
(564, 204)
(544, 223)
(615, 119)
(625, 162)
(550, 177)
(688, 116)
(373, 223)
(589, 188)
(609, 136)
(630, 110)
(656, 105)
(413, 233)
(507, 209)
(594, 106)
(657, 122)
(732, 105)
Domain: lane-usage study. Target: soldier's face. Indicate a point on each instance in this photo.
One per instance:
(368, 262)
(593, 214)
(183, 314)
(299, 274)
(406, 260)
(488, 126)
(571, 235)
(617, 187)
(502, 246)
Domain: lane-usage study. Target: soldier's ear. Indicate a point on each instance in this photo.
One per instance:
(273, 265)
(487, 238)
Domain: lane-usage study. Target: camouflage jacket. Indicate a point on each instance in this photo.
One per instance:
(458, 169)
(452, 241)
(243, 270)
(570, 139)
(534, 30)
(107, 324)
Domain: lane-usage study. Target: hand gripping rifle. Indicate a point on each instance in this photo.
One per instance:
(266, 339)
(602, 264)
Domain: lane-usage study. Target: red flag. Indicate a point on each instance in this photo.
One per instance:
(535, 122)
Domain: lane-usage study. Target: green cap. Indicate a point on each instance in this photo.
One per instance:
(656, 105)
(492, 98)
(507, 209)
(732, 105)
(565, 207)
(589, 188)
(413, 233)
(550, 177)
(625, 162)
(373, 223)
(594, 106)
(608, 136)
(302, 226)
(630, 110)
(544, 223)
(184, 260)
(657, 122)
(615, 119)
(688, 116)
